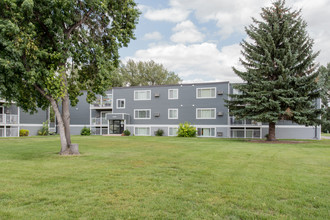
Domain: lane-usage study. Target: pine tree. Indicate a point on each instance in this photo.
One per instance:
(280, 76)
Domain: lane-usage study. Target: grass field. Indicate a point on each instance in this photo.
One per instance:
(164, 178)
(325, 134)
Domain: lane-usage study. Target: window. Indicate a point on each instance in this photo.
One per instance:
(205, 113)
(142, 113)
(206, 132)
(204, 93)
(172, 131)
(142, 95)
(173, 113)
(173, 94)
(142, 131)
(120, 103)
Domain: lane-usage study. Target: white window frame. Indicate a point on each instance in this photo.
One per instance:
(135, 91)
(142, 127)
(215, 112)
(215, 93)
(120, 100)
(142, 110)
(215, 131)
(168, 131)
(177, 93)
(177, 113)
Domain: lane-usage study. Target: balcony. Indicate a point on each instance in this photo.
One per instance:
(8, 119)
(9, 132)
(247, 122)
(103, 102)
(99, 121)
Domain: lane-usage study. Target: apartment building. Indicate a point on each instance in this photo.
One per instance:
(144, 109)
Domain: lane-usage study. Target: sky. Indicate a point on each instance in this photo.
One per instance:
(200, 39)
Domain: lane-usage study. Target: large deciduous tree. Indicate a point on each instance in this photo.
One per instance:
(146, 73)
(51, 50)
(280, 76)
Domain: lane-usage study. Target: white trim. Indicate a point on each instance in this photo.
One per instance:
(168, 94)
(142, 127)
(168, 113)
(168, 130)
(142, 91)
(120, 100)
(142, 110)
(215, 93)
(215, 112)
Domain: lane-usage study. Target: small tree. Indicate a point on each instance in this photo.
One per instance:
(280, 74)
(325, 88)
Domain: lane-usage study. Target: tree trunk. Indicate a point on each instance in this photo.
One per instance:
(271, 132)
(66, 117)
(64, 143)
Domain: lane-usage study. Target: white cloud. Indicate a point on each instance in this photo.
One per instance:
(186, 32)
(196, 60)
(168, 14)
(153, 36)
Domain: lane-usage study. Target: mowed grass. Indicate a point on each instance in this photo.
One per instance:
(164, 178)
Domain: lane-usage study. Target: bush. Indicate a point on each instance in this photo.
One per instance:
(85, 131)
(44, 131)
(127, 133)
(186, 130)
(23, 132)
(159, 132)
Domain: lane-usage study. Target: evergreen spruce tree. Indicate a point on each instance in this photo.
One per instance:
(280, 76)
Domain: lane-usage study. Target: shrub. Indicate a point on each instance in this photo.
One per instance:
(44, 131)
(186, 130)
(23, 132)
(85, 131)
(159, 132)
(127, 133)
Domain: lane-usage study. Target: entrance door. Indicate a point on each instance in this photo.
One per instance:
(2, 117)
(116, 126)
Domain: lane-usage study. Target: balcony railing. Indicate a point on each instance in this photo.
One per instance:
(8, 119)
(99, 121)
(103, 102)
(234, 121)
(9, 132)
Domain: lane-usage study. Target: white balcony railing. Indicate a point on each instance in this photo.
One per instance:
(99, 121)
(103, 102)
(9, 132)
(234, 121)
(8, 119)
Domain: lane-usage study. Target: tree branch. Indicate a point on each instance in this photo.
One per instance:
(74, 26)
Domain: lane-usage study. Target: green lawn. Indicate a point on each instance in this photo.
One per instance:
(164, 178)
(325, 134)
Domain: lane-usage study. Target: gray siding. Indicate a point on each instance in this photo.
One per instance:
(38, 118)
(80, 113)
(187, 103)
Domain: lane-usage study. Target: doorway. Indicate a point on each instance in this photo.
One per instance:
(116, 126)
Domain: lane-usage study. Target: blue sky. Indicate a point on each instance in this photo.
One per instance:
(199, 39)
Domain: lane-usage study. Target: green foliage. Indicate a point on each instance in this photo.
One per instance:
(280, 70)
(23, 132)
(146, 73)
(127, 132)
(186, 130)
(325, 88)
(159, 132)
(85, 131)
(61, 47)
(51, 115)
(44, 131)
